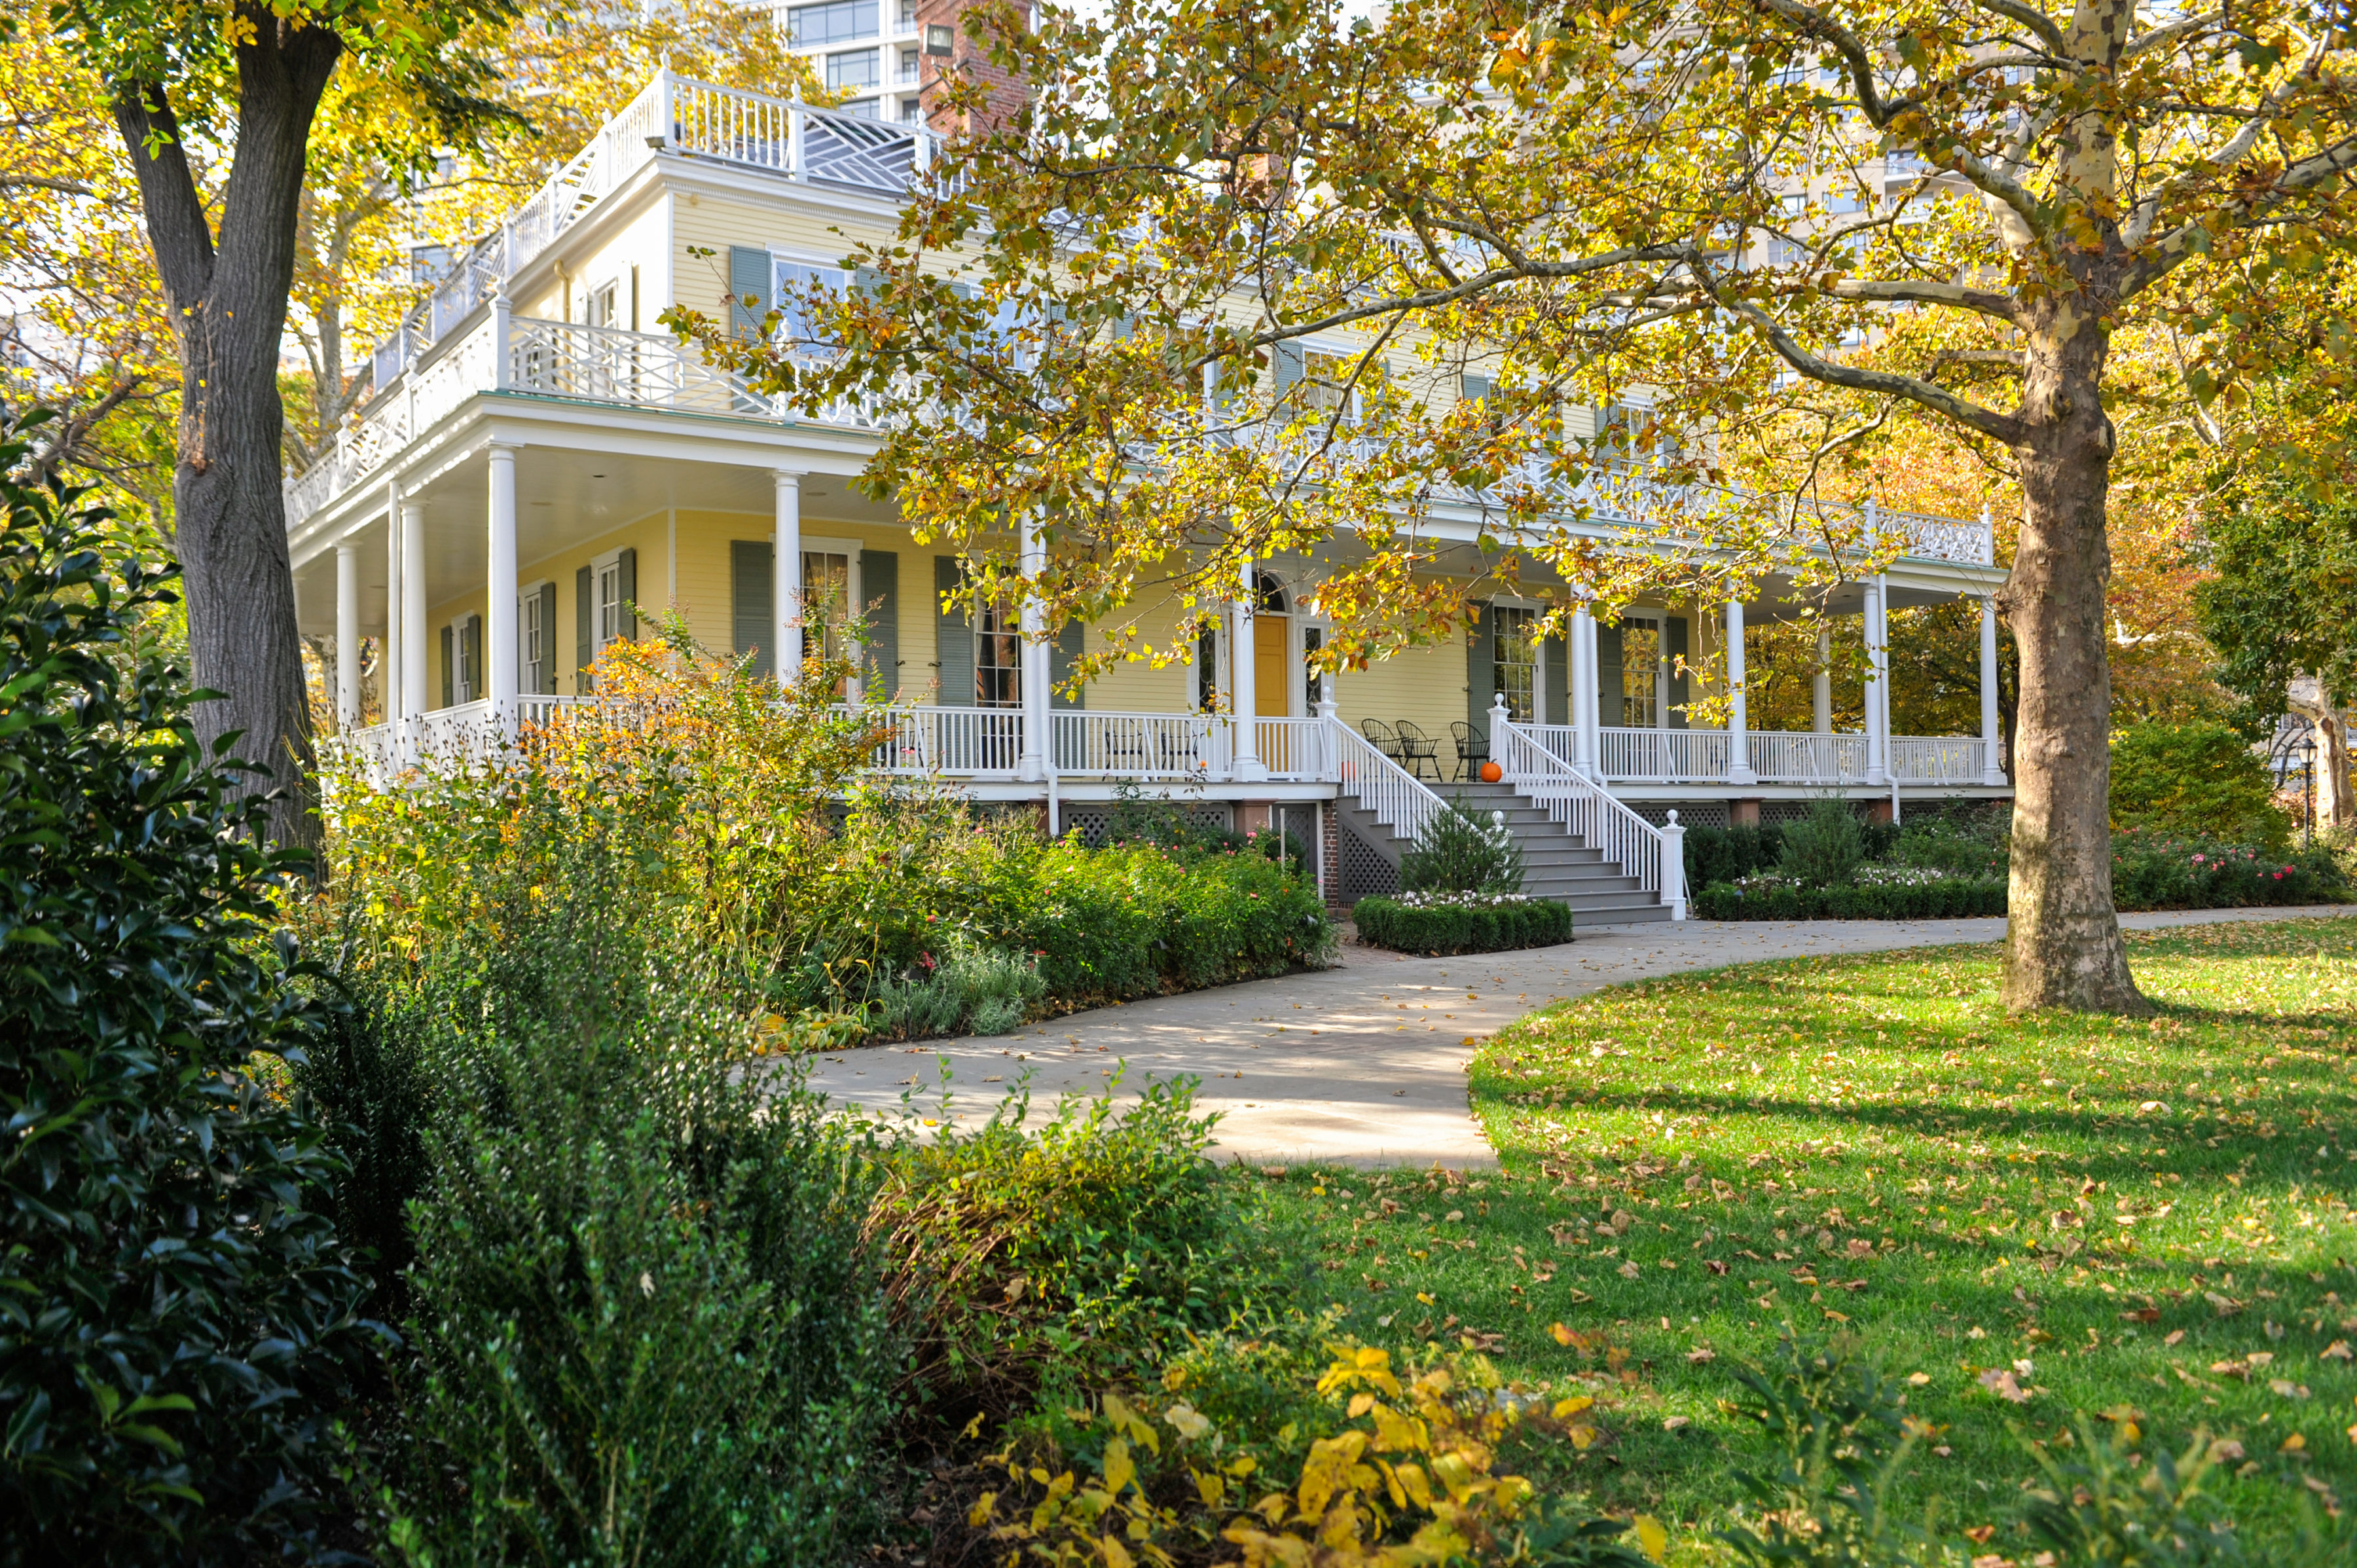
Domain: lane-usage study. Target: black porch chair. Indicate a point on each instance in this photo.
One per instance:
(1472, 751)
(1416, 748)
(1379, 735)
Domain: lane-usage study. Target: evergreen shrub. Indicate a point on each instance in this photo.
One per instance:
(1440, 924)
(1462, 852)
(2197, 780)
(177, 1314)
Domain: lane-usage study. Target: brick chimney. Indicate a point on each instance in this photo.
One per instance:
(946, 53)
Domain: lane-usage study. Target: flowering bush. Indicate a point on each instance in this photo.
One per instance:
(2153, 870)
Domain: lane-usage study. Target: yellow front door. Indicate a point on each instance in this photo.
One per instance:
(1271, 681)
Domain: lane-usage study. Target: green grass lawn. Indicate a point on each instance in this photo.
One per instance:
(2091, 1213)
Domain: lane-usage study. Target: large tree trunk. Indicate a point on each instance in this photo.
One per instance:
(2062, 939)
(229, 303)
(2328, 781)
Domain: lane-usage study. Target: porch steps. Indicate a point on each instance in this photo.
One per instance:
(1555, 866)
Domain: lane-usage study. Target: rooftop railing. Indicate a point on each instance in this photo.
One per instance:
(673, 114)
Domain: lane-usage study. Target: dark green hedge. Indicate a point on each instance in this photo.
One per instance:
(1954, 900)
(1535, 923)
(1112, 924)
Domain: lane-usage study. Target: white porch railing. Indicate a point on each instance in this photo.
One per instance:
(983, 743)
(1390, 793)
(1296, 749)
(1654, 856)
(1141, 745)
(1939, 759)
(1662, 755)
(1789, 757)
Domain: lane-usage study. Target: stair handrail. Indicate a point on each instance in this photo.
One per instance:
(1655, 857)
(1391, 794)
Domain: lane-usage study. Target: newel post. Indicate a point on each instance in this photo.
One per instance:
(1673, 867)
(503, 357)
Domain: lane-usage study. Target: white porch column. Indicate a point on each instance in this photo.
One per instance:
(1878, 679)
(1739, 714)
(1243, 697)
(1992, 771)
(1582, 697)
(348, 637)
(1821, 686)
(388, 665)
(414, 693)
(1037, 671)
(786, 580)
(499, 593)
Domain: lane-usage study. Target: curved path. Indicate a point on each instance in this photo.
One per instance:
(1363, 1063)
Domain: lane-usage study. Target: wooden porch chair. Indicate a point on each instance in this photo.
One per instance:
(1379, 735)
(1416, 749)
(1471, 750)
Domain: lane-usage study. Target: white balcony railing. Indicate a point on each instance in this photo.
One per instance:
(1777, 756)
(1787, 757)
(1939, 759)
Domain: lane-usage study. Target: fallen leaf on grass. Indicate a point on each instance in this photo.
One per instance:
(1700, 1354)
(2000, 1381)
(2175, 1337)
(2336, 1351)
(1629, 1271)
(2285, 1389)
(1672, 1423)
(2142, 1315)
(2225, 1306)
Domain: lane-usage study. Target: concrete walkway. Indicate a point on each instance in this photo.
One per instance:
(1363, 1063)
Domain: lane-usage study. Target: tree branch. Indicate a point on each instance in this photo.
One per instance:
(177, 228)
(1954, 295)
(2037, 21)
(1885, 384)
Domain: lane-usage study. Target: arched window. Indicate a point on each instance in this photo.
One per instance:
(1271, 599)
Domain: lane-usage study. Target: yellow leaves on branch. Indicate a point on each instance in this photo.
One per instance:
(1411, 1482)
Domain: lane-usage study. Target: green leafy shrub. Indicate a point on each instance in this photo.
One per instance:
(1086, 1248)
(1942, 898)
(1460, 852)
(1135, 920)
(177, 1312)
(1960, 842)
(1440, 925)
(973, 989)
(2197, 778)
(643, 1325)
(2110, 1508)
(1727, 855)
(1827, 849)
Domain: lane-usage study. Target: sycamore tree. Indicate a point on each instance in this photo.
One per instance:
(232, 93)
(1119, 312)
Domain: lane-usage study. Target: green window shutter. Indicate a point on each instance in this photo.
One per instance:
(1607, 676)
(450, 671)
(953, 629)
(584, 628)
(1558, 682)
(1481, 671)
(548, 639)
(752, 599)
(1286, 361)
(1678, 645)
(470, 642)
(1071, 644)
(628, 566)
(750, 276)
(1207, 669)
(879, 584)
(1472, 389)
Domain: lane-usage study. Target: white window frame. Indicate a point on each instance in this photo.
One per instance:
(1660, 621)
(1538, 654)
(528, 599)
(601, 632)
(462, 692)
(854, 589)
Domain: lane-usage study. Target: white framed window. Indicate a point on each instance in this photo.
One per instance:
(466, 653)
(830, 601)
(535, 641)
(602, 305)
(1644, 672)
(1515, 659)
(794, 277)
(997, 659)
(606, 598)
(832, 22)
(853, 71)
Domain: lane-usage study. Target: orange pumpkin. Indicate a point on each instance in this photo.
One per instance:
(1492, 773)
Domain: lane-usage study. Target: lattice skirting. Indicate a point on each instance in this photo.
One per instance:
(1365, 874)
(1095, 820)
(1691, 813)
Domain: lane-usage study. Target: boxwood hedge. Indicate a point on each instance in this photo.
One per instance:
(1442, 929)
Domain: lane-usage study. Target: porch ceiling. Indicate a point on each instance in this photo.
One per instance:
(564, 497)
